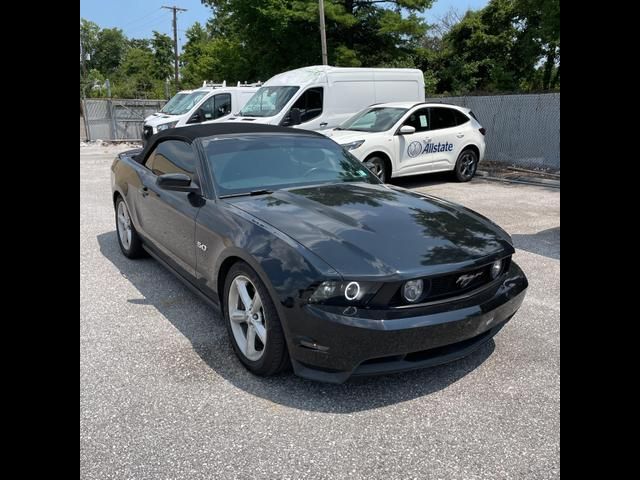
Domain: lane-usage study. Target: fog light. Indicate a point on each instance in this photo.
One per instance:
(352, 291)
(412, 290)
(496, 268)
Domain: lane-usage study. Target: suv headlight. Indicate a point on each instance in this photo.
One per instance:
(165, 126)
(346, 292)
(353, 145)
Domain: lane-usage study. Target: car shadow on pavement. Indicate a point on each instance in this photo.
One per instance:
(546, 242)
(203, 326)
(424, 180)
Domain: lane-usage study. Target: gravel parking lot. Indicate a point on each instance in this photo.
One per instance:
(162, 395)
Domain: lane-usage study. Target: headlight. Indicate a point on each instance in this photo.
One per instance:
(352, 145)
(412, 290)
(496, 269)
(165, 126)
(344, 293)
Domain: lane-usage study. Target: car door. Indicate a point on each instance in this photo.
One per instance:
(446, 137)
(411, 148)
(167, 218)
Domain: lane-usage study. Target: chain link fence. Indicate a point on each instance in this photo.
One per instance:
(116, 119)
(522, 130)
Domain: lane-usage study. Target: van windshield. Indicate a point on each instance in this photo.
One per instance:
(268, 101)
(184, 104)
(374, 119)
(177, 98)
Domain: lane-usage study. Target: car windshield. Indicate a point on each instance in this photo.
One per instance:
(374, 119)
(184, 104)
(268, 101)
(246, 163)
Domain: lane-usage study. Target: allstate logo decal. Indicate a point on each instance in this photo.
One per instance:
(415, 149)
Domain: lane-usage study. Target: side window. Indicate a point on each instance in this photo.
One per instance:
(310, 104)
(208, 108)
(222, 105)
(460, 117)
(442, 117)
(419, 120)
(172, 156)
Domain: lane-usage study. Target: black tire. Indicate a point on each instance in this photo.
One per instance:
(275, 358)
(378, 167)
(135, 249)
(466, 165)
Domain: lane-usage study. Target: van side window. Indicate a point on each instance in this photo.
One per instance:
(442, 117)
(419, 120)
(216, 106)
(310, 104)
(172, 156)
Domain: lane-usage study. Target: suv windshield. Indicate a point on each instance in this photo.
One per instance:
(247, 163)
(374, 119)
(268, 101)
(184, 104)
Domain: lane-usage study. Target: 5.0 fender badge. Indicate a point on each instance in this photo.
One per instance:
(201, 246)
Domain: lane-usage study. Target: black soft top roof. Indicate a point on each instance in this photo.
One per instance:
(188, 134)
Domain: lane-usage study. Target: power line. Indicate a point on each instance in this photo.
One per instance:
(140, 18)
(175, 11)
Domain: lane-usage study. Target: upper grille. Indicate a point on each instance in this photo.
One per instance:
(147, 132)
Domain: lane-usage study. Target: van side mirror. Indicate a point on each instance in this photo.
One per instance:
(197, 117)
(177, 182)
(407, 130)
(295, 116)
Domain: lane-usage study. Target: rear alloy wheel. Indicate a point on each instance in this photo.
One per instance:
(253, 323)
(378, 167)
(466, 165)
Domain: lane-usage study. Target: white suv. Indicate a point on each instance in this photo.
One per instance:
(404, 138)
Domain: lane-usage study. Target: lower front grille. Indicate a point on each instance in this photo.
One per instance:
(147, 132)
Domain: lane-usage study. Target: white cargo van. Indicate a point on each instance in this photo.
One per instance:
(322, 96)
(211, 102)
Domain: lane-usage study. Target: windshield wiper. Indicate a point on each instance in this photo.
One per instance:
(248, 194)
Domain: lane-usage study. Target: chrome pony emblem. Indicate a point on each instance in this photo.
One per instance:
(464, 280)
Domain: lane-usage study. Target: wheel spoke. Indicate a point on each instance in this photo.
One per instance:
(256, 304)
(251, 341)
(238, 316)
(244, 294)
(261, 331)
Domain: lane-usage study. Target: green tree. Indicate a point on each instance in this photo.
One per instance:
(110, 48)
(162, 55)
(278, 35)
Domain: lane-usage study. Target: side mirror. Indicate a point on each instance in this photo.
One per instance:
(197, 117)
(407, 130)
(177, 182)
(296, 117)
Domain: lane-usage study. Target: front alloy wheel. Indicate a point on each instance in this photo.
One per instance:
(247, 317)
(377, 166)
(253, 322)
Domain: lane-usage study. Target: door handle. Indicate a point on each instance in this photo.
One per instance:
(460, 135)
(144, 191)
(324, 124)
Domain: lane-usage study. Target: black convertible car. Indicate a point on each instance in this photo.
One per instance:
(312, 260)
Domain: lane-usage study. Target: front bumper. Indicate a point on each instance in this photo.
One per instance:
(331, 346)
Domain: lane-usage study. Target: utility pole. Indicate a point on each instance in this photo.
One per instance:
(323, 35)
(175, 38)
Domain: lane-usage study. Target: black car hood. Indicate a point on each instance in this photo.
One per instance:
(364, 230)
